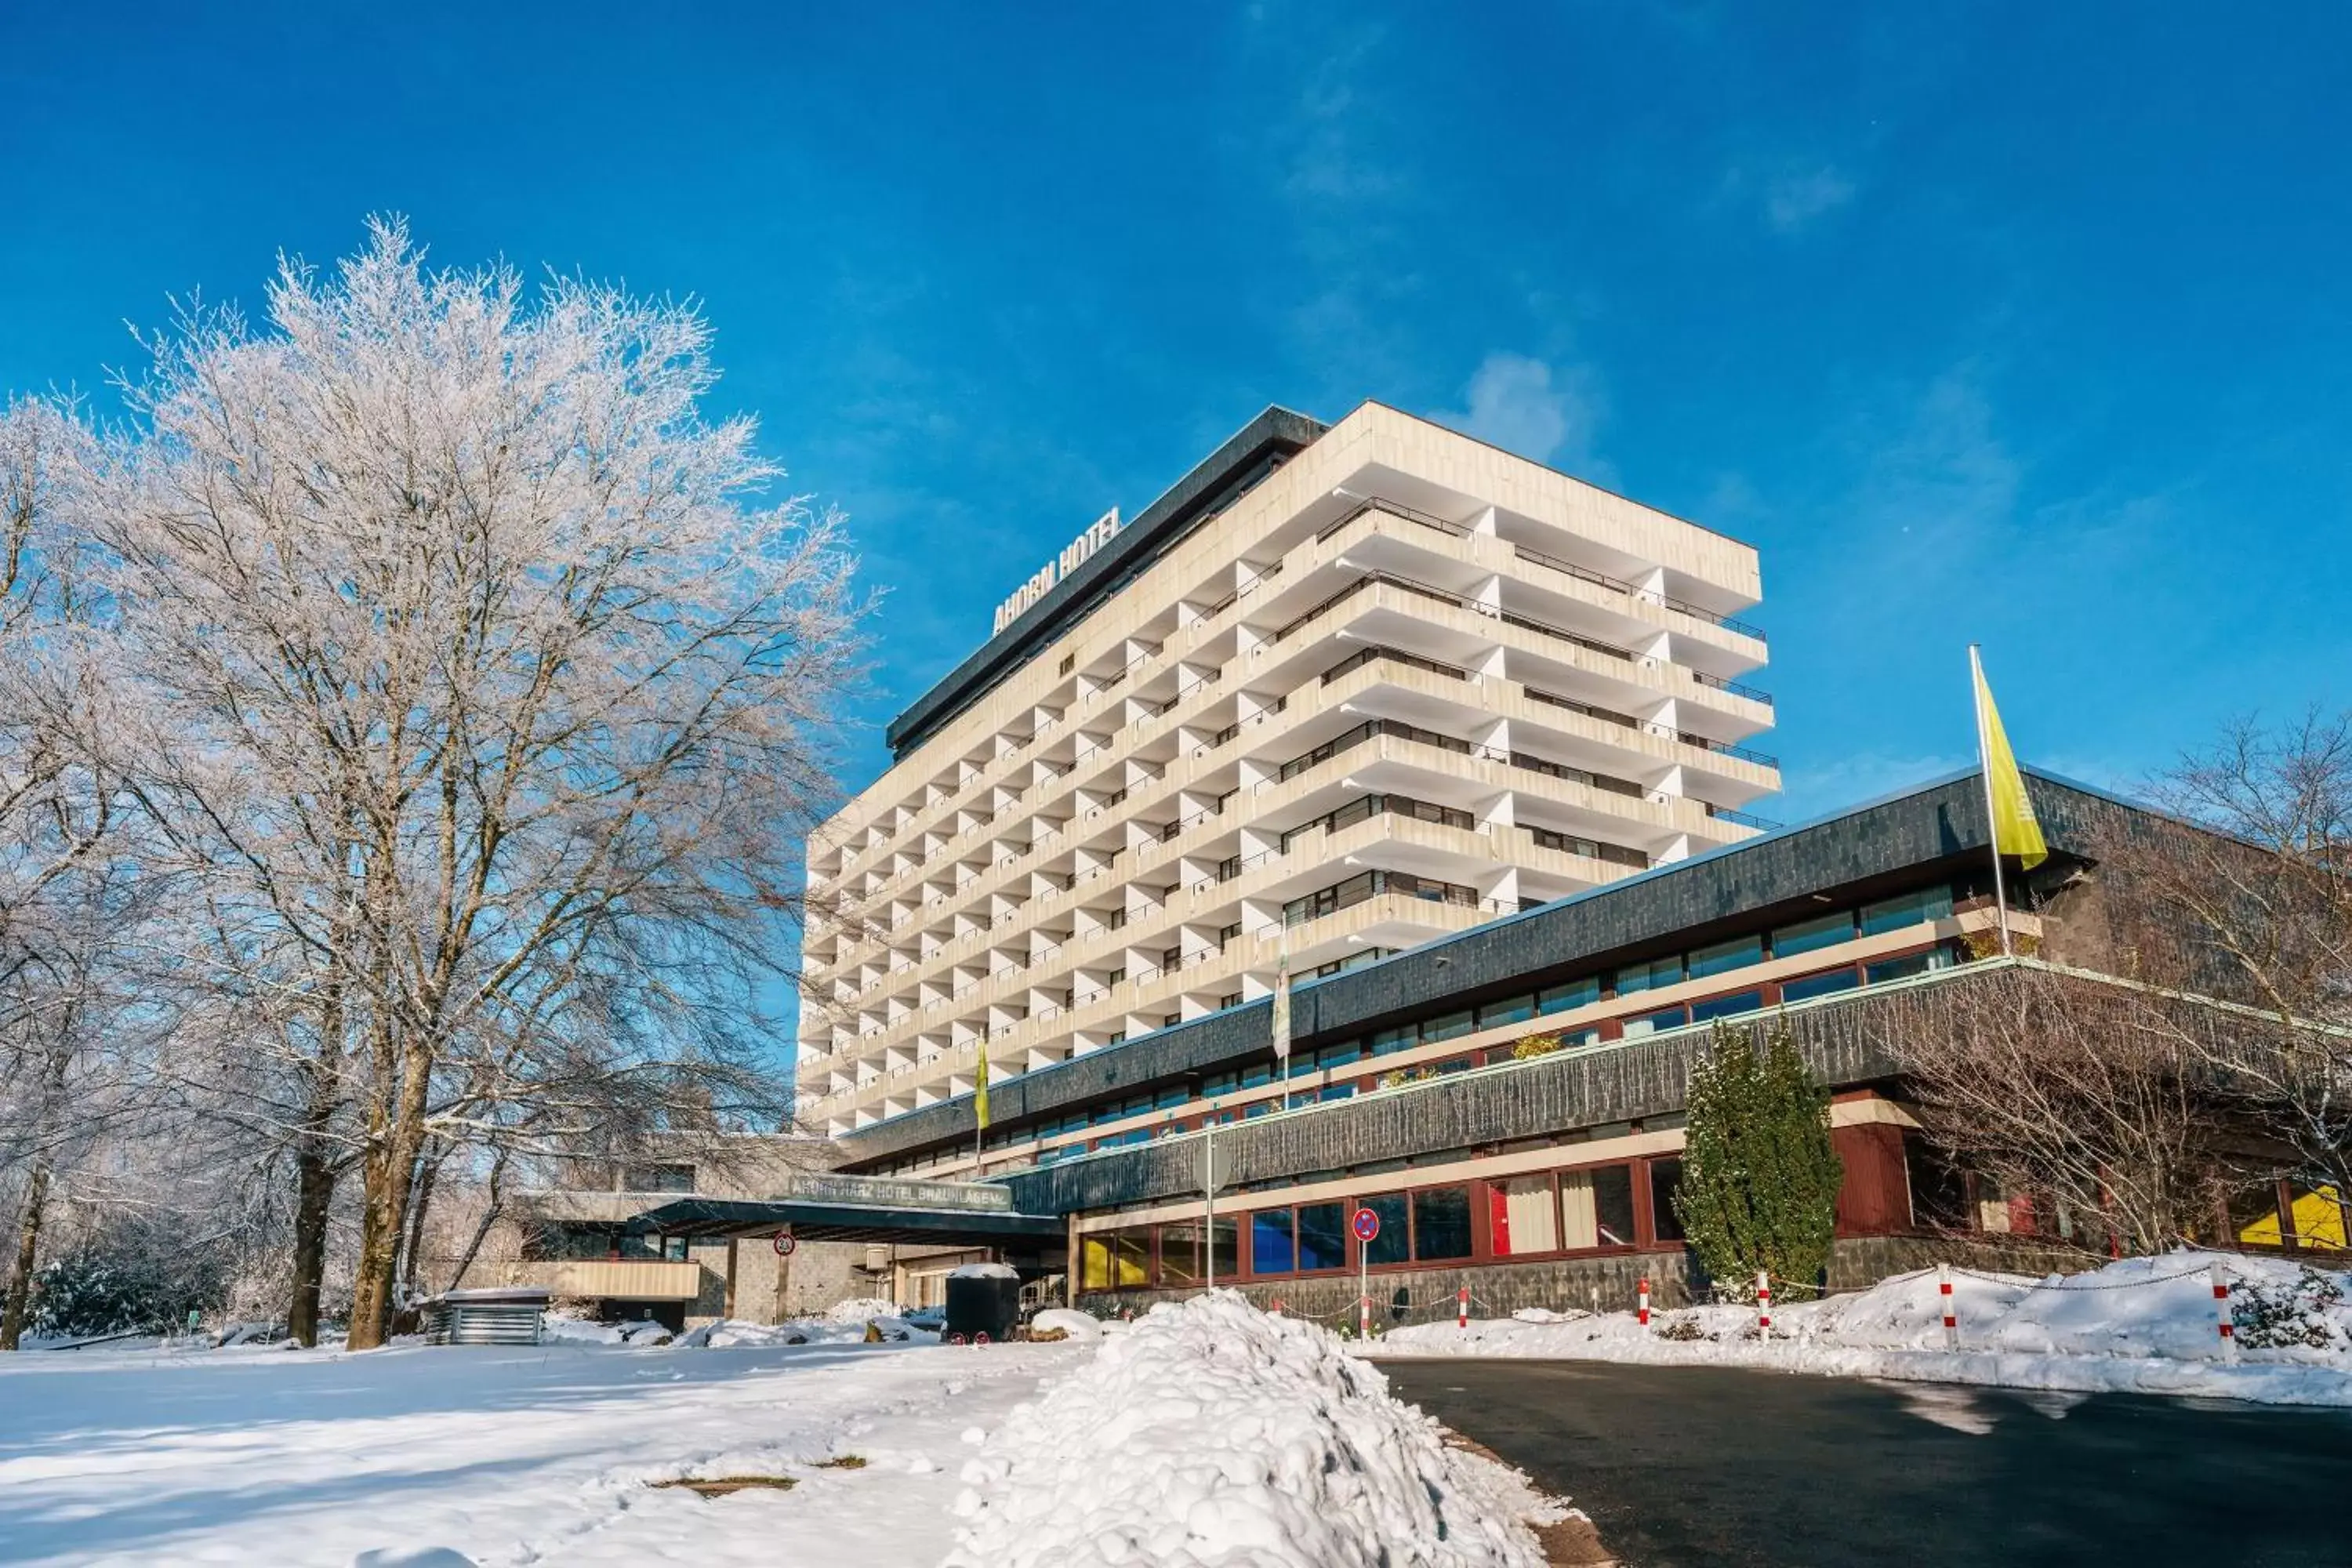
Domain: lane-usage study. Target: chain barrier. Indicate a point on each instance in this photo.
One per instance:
(2202, 1271)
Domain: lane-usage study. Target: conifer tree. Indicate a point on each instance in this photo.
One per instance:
(1760, 1177)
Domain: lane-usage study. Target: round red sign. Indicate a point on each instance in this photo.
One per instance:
(784, 1242)
(1367, 1225)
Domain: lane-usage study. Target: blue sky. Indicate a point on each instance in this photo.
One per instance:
(1982, 323)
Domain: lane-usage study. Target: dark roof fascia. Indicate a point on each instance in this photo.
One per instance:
(813, 1220)
(1069, 601)
(1911, 830)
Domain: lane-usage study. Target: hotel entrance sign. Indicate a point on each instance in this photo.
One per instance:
(1072, 555)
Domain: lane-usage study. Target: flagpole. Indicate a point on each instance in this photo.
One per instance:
(1992, 818)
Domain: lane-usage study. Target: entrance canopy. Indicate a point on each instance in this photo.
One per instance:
(829, 1207)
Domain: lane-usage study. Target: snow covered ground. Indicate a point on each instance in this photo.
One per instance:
(2145, 1325)
(1213, 1436)
(506, 1456)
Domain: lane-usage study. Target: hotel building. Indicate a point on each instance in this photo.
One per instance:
(1341, 691)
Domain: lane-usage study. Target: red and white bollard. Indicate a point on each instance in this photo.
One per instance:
(2221, 1307)
(1642, 1303)
(1462, 1308)
(1763, 1304)
(1363, 1316)
(1951, 1319)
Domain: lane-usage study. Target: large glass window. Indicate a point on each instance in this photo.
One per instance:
(1274, 1247)
(1727, 1006)
(1665, 1180)
(1651, 1023)
(1805, 936)
(1905, 967)
(1737, 954)
(2318, 1211)
(1394, 1243)
(1597, 1207)
(1521, 1217)
(1649, 976)
(1322, 1236)
(1509, 1010)
(1446, 1026)
(1180, 1254)
(1440, 1223)
(1822, 985)
(1908, 910)
(1574, 993)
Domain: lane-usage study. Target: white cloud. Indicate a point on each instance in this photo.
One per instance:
(1794, 198)
(1525, 405)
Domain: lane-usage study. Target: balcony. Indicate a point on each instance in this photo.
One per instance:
(624, 1279)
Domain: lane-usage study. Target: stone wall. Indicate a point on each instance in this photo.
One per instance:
(1497, 1290)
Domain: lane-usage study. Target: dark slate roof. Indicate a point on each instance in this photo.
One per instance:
(1214, 483)
(1891, 843)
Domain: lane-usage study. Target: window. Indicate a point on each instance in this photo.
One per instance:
(1805, 936)
(1737, 954)
(1597, 1207)
(1447, 1026)
(1725, 1006)
(657, 1179)
(1905, 967)
(1396, 1039)
(1274, 1242)
(1510, 1010)
(1908, 909)
(1574, 993)
(1650, 977)
(1340, 1053)
(1665, 1180)
(1651, 1023)
(1440, 1223)
(1322, 1236)
(1521, 1217)
(1394, 1244)
(1822, 985)
(1116, 1259)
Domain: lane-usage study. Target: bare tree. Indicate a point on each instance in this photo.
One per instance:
(2246, 896)
(2081, 1092)
(491, 707)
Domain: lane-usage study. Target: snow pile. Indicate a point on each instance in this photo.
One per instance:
(2144, 1325)
(858, 1308)
(1216, 1436)
(1074, 1324)
(727, 1333)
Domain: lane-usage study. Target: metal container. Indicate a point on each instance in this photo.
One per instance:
(981, 1304)
(513, 1315)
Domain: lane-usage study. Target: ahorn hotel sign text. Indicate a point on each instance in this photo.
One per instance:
(1105, 530)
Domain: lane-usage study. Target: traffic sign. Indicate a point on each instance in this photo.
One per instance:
(784, 1242)
(1367, 1225)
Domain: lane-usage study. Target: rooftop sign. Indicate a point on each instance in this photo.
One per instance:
(1073, 554)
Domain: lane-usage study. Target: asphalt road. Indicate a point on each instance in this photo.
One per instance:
(1696, 1467)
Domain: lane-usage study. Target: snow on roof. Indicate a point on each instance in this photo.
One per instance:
(986, 1271)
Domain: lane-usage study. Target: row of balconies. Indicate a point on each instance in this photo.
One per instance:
(1019, 985)
(1496, 698)
(1484, 769)
(1396, 919)
(1375, 516)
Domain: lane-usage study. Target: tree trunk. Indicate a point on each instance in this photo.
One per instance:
(28, 1242)
(399, 1131)
(420, 1209)
(315, 1177)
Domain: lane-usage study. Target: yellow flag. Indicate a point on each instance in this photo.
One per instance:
(2015, 829)
(980, 1086)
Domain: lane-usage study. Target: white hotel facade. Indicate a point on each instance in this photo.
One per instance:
(1341, 690)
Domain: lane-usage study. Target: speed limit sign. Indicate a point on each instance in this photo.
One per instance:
(784, 1242)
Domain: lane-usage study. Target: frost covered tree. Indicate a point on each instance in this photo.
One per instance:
(1759, 1180)
(487, 700)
